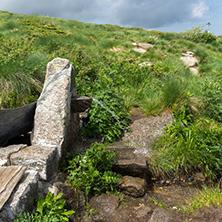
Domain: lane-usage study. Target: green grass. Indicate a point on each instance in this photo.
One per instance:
(208, 196)
(28, 43)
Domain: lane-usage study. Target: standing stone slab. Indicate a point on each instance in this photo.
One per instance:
(53, 116)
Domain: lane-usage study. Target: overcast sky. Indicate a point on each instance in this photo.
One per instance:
(164, 15)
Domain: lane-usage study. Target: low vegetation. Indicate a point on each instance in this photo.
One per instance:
(108, 69)
(91, 171)
(50, 209)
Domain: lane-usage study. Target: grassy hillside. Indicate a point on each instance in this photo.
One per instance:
(107, 68)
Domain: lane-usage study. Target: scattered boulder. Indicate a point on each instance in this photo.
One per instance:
(140, 50)
(133, 186)
(145, 45)
(142, 210)
(189, 61)
(80, 104)
(194, 70)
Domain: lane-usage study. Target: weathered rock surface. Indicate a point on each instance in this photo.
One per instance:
(105, 205)
(14, 122)
(22, 198)
(161, 215)
(45, 160)
(140, 50)
(189, 61)
(80, 104)
(128, 161)
(133, 186)
(53, 109)
(5, 153)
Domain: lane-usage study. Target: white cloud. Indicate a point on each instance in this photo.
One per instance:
(199, 9)
(140, 13)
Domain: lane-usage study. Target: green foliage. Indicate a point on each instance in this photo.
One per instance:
(212, 99)
(196, 35)
(108, 117)
(91, 171)
(189, 146)
(38, 27)
(173, 91)
(50, 209)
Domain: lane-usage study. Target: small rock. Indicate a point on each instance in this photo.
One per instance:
(199, 177)
(145, 45)
(194, 70)
(133, 186)
(146, 64)
(140, 50)
(105, 204)
(142, 210)
(189, 61)
(160, 215)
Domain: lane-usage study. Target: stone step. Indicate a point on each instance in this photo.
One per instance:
(129, 161)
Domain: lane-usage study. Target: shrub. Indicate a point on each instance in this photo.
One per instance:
(196, 35)
(91, 171)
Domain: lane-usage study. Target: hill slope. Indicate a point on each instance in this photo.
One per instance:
(107, 61)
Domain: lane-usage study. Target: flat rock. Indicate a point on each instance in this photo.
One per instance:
(42, 159)
(128, 161)
(5, 153)
(160, 215)
(140, 50)
(105, 205)
(132, 186)
(189, 61)
(145, 45)
(194, 70)
(80, 104)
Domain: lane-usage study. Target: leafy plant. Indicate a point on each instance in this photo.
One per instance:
(108, 117)
(91, 171)
(50, 209)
